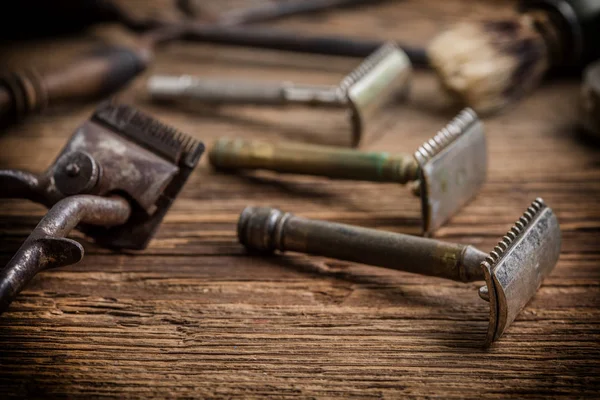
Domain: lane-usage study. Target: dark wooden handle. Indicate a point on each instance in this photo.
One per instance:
(93, 76)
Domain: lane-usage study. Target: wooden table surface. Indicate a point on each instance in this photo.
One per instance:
(195, 316)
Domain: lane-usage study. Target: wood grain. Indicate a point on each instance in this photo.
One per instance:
(194, 316)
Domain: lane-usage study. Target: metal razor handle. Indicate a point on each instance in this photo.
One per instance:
(269, 229)
(46, 247)
(316, 160)
(96, 75)
(163, 87)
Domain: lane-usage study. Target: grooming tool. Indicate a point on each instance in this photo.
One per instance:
(513, 271)
(92, 76)
(490, 64)
(449, 169)
(115, 180)
(106, 70)
(279, 39)
(382, 77)
(272, 10)
(590, 100)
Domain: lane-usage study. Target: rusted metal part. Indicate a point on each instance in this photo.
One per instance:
(449, 169)
(381, 78)
(15, 184)
(46, 247)
(513, 271)
(590, 100)
(116, 177)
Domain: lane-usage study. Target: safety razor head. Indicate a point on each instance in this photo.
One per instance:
(379, 79)
(514, 270)
(453, 167)
(123, 151)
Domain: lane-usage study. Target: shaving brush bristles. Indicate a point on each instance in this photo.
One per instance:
(487, 65)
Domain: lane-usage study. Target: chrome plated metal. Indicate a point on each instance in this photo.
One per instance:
(382, 77)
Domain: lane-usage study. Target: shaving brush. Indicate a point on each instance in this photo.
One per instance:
(490, 64)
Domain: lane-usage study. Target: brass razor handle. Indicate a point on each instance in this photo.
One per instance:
(215, 91)
(100, 73)
(269, 229)
(46, 247)
(299, 158)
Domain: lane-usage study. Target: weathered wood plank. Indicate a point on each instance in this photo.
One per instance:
(195, 316)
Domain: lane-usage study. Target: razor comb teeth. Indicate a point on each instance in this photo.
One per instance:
(148, 132)
(366, 66)
(515, 232)
(447, 135)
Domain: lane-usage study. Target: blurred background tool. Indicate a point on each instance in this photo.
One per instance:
(590, 100)
(269, 10)
(43, 18)
(109, 69)
(379, 80)
(280, 39)
(490, 64)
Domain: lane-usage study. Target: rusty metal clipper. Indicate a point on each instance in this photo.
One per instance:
(449, 168)
(115, 180)
(380, 78)
(513, 270)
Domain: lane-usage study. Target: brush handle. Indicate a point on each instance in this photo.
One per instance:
(578, 22)
(277, 39)
(93, 76)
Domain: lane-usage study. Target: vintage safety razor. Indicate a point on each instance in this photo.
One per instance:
(449, 169)
(382, 77)
(513, 270)
(115, 180)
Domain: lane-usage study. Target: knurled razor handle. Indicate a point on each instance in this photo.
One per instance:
(46, 247)
(97, 74)
(214, 91)
(269, 229)
(316, 160)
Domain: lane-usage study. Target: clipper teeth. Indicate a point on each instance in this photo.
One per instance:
(515, 232)
(157, 137)
(367, 65)
(447, 135)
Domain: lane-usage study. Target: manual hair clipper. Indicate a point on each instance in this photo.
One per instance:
(115, 180)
